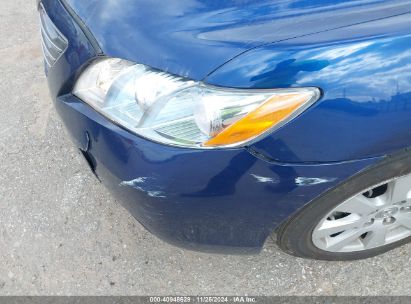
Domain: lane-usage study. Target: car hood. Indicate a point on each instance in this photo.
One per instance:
(193, 38)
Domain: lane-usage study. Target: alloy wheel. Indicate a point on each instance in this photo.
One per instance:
(373, 218)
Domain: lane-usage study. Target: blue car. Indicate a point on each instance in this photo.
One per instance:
(221, 123)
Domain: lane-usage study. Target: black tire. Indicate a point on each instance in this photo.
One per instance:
(295, 235)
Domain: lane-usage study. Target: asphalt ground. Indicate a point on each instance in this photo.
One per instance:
(62, 233)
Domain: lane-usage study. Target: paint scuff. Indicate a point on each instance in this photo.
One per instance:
(264, 179)
(135, 182)
(309, 181)
(139, 183)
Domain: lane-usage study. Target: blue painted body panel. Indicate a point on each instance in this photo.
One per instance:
(366, 82)
(212, 199)
(192, 38)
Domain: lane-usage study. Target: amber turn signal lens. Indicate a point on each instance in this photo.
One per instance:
(269, 114)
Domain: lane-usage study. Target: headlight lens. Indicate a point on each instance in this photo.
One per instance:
(176, 111)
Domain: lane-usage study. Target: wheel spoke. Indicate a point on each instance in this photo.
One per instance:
(330, 227)
(346, 238)
(400, 189)
(359, 205)
(404, 219)
(382, 200)
(376, 237)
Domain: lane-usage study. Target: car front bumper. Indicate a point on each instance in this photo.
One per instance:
(219, 200)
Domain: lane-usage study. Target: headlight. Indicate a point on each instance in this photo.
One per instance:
(181, 112)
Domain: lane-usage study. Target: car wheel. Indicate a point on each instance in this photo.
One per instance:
(367, 215)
